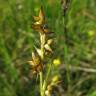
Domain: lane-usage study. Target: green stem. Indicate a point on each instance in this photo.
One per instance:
(41, 82)
(66, 45)
(68, 69)
(46, 80)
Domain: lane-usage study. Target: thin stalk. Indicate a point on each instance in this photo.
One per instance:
(41, 82)
(46, 80)
(66, 55)
(42, 41)
(66, 6)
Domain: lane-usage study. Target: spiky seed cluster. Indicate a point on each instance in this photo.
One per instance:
(53, 85)
(40, 23)
(35, 63)
(41, 27)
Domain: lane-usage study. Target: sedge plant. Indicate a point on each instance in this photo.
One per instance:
(38, 57)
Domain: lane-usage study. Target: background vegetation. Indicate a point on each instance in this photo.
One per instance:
(77, 56)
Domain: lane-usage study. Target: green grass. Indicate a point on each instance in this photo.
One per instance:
(17, 41)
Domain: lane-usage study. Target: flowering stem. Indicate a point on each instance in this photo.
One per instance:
(42, 39)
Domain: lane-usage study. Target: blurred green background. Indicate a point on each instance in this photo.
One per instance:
(77, 56)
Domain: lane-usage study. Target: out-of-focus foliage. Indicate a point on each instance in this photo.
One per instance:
(17, 41)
